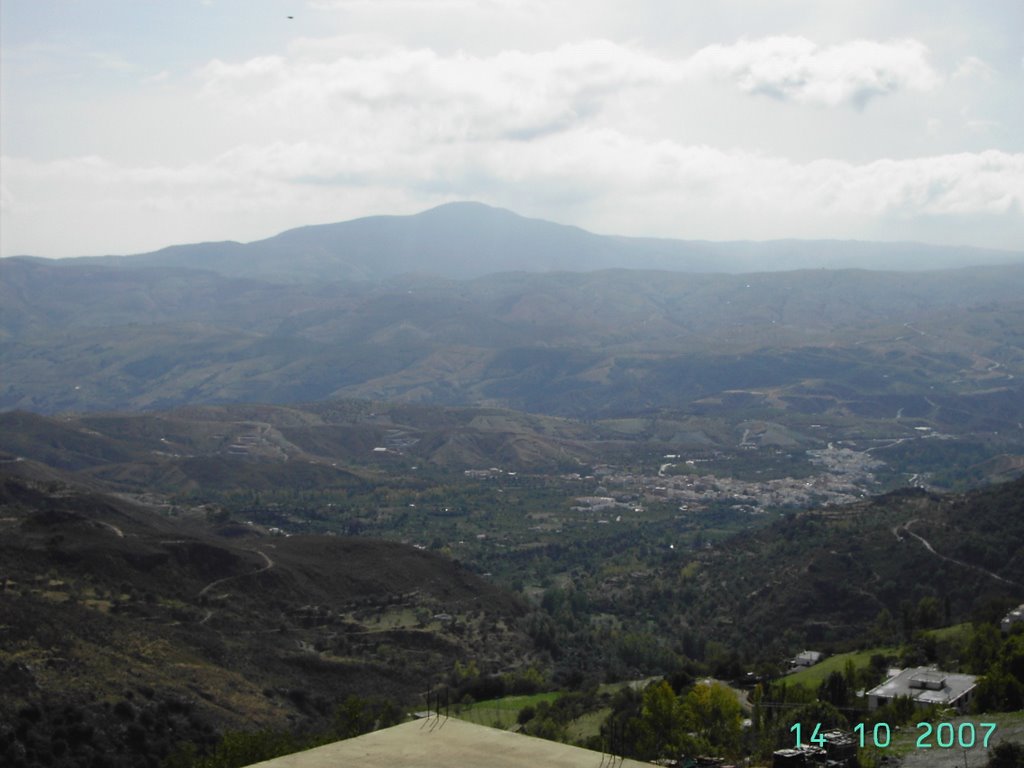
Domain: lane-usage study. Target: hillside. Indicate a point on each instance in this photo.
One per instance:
(334, 445)
(346, 447)
(129, 603)
(111, 606)
(80, 337)
(679, 468)
(829, 577)
(719, 545)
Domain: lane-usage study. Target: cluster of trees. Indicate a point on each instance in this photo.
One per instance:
(980, 649)
(354, 716)
(147, 730)
(550, 720)
(468, 684)
(1001, 661)
(663, 723)
(138, 730)
(656, 724)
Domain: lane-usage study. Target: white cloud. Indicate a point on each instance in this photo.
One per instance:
(754, 187)
(594, 177)
(796, 69)
(343, 113)
(373, 98)
(336, 128)
(972, 68)
(525, 94)
(460, 97)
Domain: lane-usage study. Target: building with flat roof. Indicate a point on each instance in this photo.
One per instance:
(807, 658)
(927, 686)
(445, 743)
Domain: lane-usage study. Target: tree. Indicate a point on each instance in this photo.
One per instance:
(835, 690)
(713, 713)
(999, 691)
(928, 612)
(663, 723)
(883, 629)
(983, 648)
(1002, 686)
(621, 731)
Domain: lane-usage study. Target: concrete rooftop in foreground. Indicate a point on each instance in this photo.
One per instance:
(445, 743)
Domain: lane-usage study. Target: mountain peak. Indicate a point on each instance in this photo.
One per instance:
(468, 239)
(469, 206)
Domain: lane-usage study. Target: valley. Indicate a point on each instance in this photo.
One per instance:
(220, 608)
(272, 508)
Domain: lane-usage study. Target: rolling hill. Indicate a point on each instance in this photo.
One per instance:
(838, 578)
(85, 337)
(133, 626)
(423, 309)
(383, 374)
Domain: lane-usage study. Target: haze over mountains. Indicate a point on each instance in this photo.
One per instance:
(465, 240)
(295, 318)
(367, 379)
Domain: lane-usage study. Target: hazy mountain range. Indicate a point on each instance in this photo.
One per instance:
(465, 240)
(145, 562)
(282, 320)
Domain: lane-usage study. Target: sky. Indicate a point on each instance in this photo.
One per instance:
(129, 125)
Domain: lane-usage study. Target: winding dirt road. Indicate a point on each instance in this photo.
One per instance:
(930, 548)
(269, 564)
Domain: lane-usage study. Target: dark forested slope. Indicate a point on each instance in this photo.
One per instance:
(125, 628)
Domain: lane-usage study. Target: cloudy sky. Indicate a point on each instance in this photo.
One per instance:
(128, 125)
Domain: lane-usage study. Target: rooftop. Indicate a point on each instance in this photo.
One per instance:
(444, 743)
(926, 685)
(807, 658)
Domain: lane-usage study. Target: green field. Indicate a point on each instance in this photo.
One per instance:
(582, 728)
(501, 713)
(812, 677)
(955, 632)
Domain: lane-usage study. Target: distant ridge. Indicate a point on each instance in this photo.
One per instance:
(465, 240)
(80, 335)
